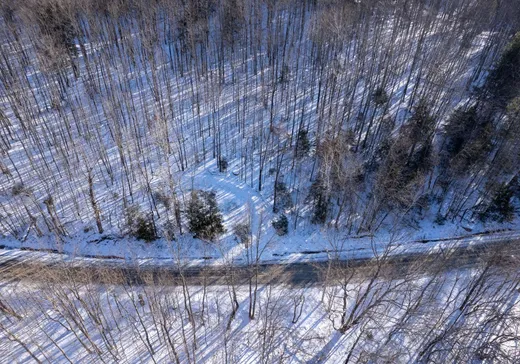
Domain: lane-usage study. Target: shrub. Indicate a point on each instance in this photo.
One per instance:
(243, 233)
(281, 225)
(204, 217)
(422, 204)
(283, 197)
(380, 96)
(440, 219)
(501, 208)
(302, 144)
(163, 199)
(169, 230)
(19, 188)
(139, 225)
(284, 75)
(223, 164)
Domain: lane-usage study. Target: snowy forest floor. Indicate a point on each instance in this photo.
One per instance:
(236, 200)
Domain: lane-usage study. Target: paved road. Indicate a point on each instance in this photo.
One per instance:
(16, 266)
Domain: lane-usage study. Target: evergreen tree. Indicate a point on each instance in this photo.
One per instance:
(281, 225)
(139, 225)
(204, 217)
(467, 141)
(320, 201)
(283, 197)
(504, 80)
(302, 144)
(456, 130)
(501, 208)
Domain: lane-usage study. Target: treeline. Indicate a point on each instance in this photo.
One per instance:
(352, 114)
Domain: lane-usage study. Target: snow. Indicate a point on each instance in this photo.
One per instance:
(70, 187)
(52, 319)
(387, 323)
(313, 245)
(236, 200)
(243, 123)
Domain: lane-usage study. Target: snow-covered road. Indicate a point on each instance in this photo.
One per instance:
(498, 248)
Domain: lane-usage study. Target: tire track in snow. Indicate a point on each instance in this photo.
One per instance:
(229, 188)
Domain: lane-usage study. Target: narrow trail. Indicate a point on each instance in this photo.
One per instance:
(234, 195)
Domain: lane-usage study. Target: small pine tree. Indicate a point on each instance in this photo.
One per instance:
(139, 225)
(204, 217)
(281, 225)
(501, 208)
(302, 144)
(380, 96)
(144, 229)
(283, 197)
(320, 202)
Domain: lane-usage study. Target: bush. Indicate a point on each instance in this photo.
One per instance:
(284, 75)
(440, 219)
(320, 201)
(139, 225)
(19, 188)
(283, 197)
(281, 225)
(163, 199)
(380, 96)
(144, 230)
(223, 164)
(204, 217)
(501, 208)
(169, 230)
(422, 204)
(243, 233)
(302, 144)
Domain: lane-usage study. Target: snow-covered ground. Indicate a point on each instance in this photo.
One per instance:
(93, 130)
(237, 200)
(138, 126)
(396, 320)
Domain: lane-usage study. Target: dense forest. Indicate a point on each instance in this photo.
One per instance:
(256, 176)
(347, 114)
